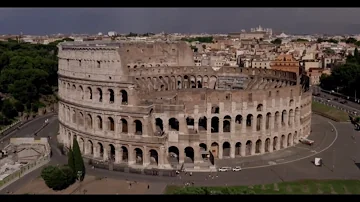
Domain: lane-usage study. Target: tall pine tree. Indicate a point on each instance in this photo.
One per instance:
(71, 161)
(356, 55)
(79, 162)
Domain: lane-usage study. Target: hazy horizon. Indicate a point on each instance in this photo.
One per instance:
(42, 21)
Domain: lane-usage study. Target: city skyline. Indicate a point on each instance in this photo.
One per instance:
(41, 21)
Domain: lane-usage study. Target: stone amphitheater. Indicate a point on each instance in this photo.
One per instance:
(146, 105)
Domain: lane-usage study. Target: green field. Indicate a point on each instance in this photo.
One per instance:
(330, 111)
(298, 187)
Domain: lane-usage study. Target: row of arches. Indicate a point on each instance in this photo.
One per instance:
(224, 124)
(165, 83)
(238, 149)
(98, 122)
(97, 94)
(122, 154)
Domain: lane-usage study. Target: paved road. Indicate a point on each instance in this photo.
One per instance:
(325, 96)
(339, 160)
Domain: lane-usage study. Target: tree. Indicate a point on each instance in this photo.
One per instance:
(19, 106)
(277, 41)
(350, 40)
(57, 178)
(8, 109)
(78, 160)
(71, 161)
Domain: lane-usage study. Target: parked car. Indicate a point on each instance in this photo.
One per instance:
(224, 169)
(306, 141)
(236, 169)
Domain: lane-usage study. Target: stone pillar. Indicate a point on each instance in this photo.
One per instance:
(271, 146)
(181, 155)
(253, 147)
(86, 149)
(118, 154)
(263, 124)
(253, 124)
(243, 127)
(243, 150)
(279, 124)
(196, 125)
(233, 126)
(106, 97)
(278, 145)
(271, 121)
(208, 127)
(232, 151)
(292, 120)
(262, 147)
(286, 141)
(162, 156)
(197, 155)
(96, 151)
(220, 155)
(131, 156)
(118, 97)
(221, 125)
(146, 157)
(286, 121)
(106, 153)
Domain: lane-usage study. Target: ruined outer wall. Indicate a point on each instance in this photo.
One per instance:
(104, 107)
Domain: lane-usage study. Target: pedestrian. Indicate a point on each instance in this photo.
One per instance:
(148, 186)
(190, 173)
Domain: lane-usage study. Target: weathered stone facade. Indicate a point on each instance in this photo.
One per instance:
(146, 104)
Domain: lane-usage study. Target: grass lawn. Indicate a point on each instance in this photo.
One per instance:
(330, 111)
(298, 187)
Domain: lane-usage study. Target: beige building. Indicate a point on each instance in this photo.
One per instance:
(146, 105)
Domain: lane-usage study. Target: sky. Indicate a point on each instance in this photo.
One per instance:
(182, 20)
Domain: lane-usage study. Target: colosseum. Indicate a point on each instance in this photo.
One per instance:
(146, 105)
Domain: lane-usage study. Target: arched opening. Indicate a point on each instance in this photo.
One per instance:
(125, 154)
(159, 126)
(81, 92)
(189, 153)
(259, 108)
(192, 84)
(91, 147)
(124, 126)
(267, 124)
(238, 149)
(214, 124)
(226, 149)
(227, 124)
(138, 156)
(111, 96)
(89, 121)
(154, 157)
(99, 122)
(215, 149)
(173, 124)
(112, 153)
(258, 147)
(173, 154)
(101, 150)
(283, 117)
(238, 122)
(199, 84)
(291, 103)
(100, 94)
(89, 93)
(190, 123)
(289, 140)
(259, 120)
(203, 150)
(282, 145)
(138, 127)
(202, 123)
(73, 116)
(124, 97)
(215, 109)
(275, 142)
(267, 145)
(249, 119)
(111, 124)
(248, 148)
